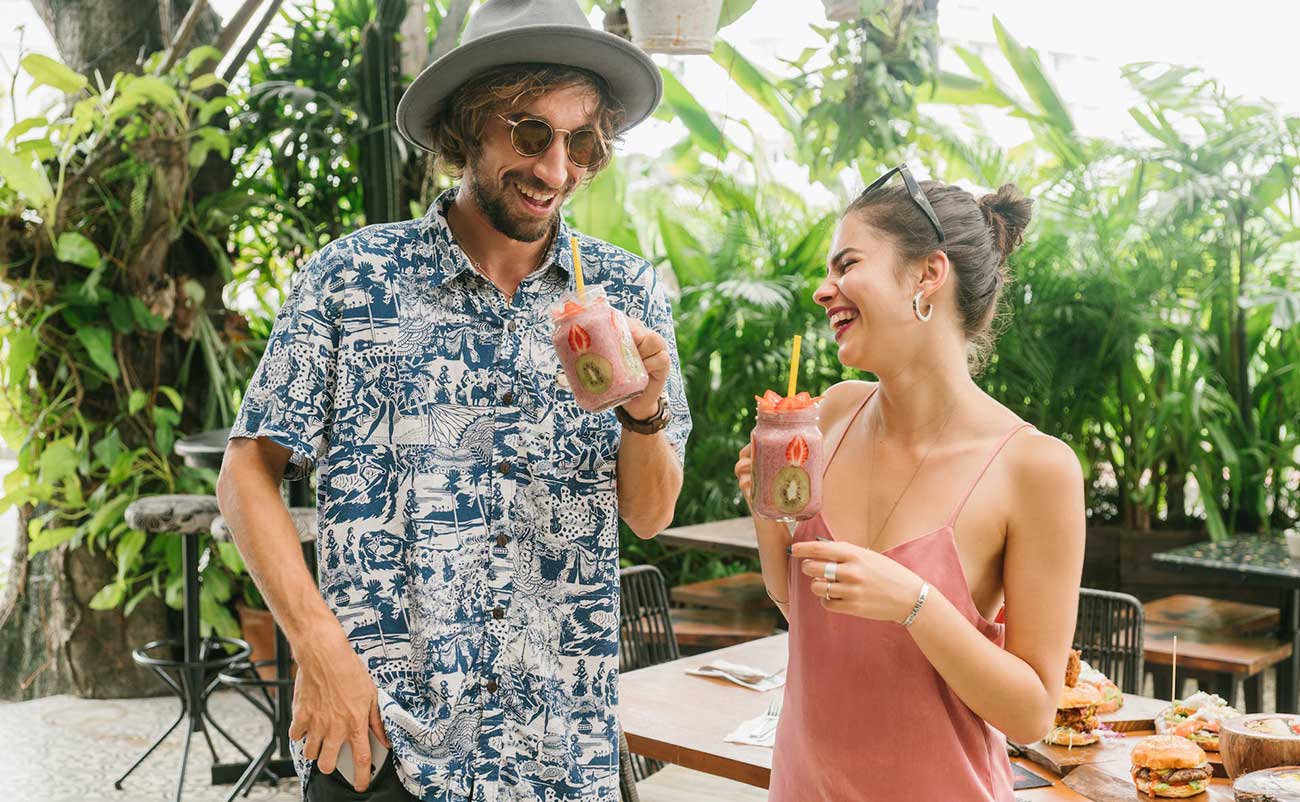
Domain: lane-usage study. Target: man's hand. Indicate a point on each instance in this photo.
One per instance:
(654, 355)
(334, 702)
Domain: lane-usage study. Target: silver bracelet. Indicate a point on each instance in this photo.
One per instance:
(916, 608)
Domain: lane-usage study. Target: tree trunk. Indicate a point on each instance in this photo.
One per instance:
(51, 642)
(110, 35)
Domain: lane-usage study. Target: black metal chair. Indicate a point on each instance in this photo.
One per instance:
(194, 660)
(645, 635)
(1108, 630)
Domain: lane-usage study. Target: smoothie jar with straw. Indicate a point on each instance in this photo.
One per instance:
(595, 346)
(788, 458)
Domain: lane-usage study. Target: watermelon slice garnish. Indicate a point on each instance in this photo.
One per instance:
(579, 339)
(771, 402)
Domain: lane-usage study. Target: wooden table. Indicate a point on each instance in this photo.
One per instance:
(677, 718)
(732, 536)
(1257, 561)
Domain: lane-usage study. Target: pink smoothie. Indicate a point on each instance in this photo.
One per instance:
(595, 347)
(788, 464)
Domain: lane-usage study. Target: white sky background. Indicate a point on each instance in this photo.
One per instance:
(1248, 44)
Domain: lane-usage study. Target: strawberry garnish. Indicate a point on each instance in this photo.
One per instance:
(796, 451)
(579, 339)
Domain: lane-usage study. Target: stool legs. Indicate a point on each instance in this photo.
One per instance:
(191, 674)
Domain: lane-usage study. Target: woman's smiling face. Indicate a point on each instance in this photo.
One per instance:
(865, 303)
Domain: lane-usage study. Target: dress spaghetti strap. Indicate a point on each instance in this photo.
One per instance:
(1006, 438)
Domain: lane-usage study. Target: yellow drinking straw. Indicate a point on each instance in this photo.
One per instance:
(794, 365)
(577, 267)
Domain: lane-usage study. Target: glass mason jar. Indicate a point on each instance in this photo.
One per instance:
(596, 348)
(787, 464)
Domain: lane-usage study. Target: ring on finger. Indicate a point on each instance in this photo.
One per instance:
(829, 571)
(828, 591)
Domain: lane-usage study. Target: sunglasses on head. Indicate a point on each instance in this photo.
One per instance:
(531, 137)
(913, 189)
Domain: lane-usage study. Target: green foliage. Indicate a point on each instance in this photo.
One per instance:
(103, 333)
(1152, 322)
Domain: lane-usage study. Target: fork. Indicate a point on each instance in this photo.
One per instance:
(770, 718)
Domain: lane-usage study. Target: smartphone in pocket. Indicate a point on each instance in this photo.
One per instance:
(347, 766)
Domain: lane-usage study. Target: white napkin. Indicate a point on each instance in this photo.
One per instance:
(745, 676)
(758, 731)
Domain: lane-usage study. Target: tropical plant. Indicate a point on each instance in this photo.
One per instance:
(1190, 238)
(113, 319)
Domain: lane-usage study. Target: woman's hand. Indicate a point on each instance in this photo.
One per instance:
(745, 472)
(867, 584)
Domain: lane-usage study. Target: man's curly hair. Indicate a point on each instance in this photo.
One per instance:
(457, 132)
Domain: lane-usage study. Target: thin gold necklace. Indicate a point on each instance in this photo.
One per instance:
(871, 477)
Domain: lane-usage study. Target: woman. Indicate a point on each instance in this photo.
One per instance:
(941, 507)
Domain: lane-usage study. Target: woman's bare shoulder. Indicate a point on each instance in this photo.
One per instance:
(1040, 459)
(842, 400)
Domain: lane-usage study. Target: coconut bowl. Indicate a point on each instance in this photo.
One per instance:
(1255, 742)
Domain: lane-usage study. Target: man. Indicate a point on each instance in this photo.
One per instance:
(468, 508)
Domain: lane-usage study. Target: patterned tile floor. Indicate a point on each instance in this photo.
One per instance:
(63, 749)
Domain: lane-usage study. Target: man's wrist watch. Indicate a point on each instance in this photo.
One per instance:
(651, 425)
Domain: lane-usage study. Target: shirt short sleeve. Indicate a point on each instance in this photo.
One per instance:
(291, 395)
(657, 314)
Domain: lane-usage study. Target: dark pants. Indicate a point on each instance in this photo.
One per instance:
(384, 787)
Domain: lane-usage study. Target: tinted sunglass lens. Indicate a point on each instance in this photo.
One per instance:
(531, 137)
(584, 148)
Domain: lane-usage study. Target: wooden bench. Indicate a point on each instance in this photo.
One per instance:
(1212, 615)
(699, 630)
(1222, 660)
(744, 591)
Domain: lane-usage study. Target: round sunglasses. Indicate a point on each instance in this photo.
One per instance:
(531, 137)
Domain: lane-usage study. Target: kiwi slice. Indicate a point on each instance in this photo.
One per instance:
(595, 373)
(631, 359)
(791, 489)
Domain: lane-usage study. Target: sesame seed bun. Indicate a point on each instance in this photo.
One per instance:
(1167, 752)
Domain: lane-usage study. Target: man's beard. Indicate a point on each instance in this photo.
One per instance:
(491, 200)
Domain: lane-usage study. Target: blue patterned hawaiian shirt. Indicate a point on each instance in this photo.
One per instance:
(468, 520)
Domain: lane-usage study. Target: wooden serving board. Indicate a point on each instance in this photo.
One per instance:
(1112, 782)
(1138, 713)
(1062, 759)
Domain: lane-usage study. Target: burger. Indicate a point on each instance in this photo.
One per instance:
(1170, 766)
(1197, 718)
(1111, 698)
(1076, 717)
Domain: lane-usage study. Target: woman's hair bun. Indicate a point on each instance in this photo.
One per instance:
(1007, 212)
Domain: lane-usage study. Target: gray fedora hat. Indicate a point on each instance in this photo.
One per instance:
(505, 32)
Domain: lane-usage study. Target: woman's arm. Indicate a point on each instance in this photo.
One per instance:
(1014, 689)
(1017, 689)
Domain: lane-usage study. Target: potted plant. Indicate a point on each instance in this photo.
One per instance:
(674, 26)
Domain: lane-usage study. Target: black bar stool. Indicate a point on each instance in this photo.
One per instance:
(188, 516)
(244, 677)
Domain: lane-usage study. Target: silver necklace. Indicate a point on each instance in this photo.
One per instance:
(871, 476)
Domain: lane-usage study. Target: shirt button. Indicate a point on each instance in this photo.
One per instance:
(508, 398)
(505, 468)
(511, 326)
(491, 686)
(498, 613)
(502, 540)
